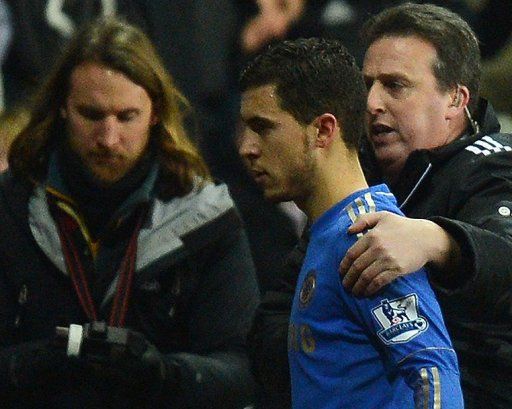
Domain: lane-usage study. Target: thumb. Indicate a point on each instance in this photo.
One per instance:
(365, 222)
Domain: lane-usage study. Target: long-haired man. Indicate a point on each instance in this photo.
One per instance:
(125, 275)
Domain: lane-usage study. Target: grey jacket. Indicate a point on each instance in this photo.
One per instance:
(193, 295)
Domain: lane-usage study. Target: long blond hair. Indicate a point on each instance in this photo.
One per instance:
(112, 42)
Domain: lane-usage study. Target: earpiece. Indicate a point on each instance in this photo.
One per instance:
(457, 100)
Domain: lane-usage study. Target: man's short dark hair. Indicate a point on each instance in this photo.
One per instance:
(313, 76)
(458, 52)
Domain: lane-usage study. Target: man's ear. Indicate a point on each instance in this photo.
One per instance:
(326, 126)
(63, 113)
(459, 99)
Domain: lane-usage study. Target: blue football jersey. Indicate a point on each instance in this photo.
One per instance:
(391, 350)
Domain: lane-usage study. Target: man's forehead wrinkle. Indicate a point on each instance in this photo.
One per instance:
(387, 54)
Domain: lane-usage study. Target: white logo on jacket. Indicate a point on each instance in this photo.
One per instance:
(487, 146)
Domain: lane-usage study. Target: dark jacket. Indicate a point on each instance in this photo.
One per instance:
(465, 187)
(268, 346)
(194, 294)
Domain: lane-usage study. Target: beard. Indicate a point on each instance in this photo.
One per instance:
(300, 180)
(102, 167)
(304, 180)
(108, 167)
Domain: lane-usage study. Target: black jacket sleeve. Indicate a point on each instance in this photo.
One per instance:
(481, 223)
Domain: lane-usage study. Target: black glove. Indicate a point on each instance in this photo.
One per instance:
(125, 359)
(32, 365)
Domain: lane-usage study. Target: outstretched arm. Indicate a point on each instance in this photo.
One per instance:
(467, 248)
(394, 246)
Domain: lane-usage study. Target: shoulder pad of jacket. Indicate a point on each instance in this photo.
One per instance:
(201, 206)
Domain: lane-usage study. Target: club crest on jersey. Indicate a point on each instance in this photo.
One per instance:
(308, 289)
(399, 319)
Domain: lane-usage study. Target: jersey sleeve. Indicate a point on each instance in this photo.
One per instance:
(405, 321)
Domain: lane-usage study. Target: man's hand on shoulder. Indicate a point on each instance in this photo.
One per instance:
(393, 246)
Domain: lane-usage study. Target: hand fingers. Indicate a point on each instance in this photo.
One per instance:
(360, 278)
(359, 265)
(380, 281)
(369, 221)
(371, 279)
(365, 222)
(352, 254)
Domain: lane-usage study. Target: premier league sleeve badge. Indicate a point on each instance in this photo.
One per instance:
(399, 319)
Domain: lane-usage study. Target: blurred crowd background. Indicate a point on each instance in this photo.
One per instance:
(204, 43)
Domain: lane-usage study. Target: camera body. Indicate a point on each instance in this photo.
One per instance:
(98, 342)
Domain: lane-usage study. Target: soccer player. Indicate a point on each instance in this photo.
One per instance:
(303, 107)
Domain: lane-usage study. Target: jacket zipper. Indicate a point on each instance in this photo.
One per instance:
(416, 186)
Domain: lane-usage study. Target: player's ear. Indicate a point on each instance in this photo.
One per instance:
(327, 129)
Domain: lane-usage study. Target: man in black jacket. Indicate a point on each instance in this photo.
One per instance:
(126, 279)
(453, 178)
